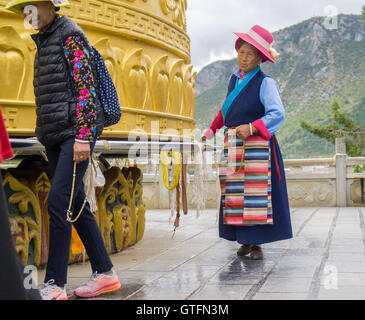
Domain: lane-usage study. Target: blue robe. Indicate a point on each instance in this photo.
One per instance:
(249, 107)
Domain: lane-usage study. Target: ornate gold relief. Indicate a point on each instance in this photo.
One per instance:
(134, 72)
(163, 125)
(110, 58)
(179, 126)
(120, 215)
(126, 192)
(15, 64)
(11, 118)
(148, 102)
(40, 185)
(113, 58)
(25, 218)
(159, 83)
(140, 206)
(189, 93)
(176, 86)
(140, 121)
(121, 210)
(127, 22)
(178, 8)
(145, 53)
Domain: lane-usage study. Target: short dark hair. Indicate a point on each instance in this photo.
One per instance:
(241, 43)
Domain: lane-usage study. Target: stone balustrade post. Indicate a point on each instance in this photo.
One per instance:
(341, 172)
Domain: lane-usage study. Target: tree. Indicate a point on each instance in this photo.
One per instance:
(363, 13)
(341, 127)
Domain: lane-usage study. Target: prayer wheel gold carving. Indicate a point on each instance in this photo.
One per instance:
(25, 218)
(178, 8)
(145, 47)
(147, 52)
(135, 78)
(120, 215)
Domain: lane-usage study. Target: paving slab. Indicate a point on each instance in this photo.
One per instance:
(324, 260)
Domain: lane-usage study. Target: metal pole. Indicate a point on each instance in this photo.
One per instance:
(22, 147)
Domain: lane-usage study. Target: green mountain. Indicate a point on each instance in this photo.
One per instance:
(316, 65)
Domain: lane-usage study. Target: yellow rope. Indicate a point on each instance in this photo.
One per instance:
(176, 155)
(128, 163)
(69, 212)
(106, 146)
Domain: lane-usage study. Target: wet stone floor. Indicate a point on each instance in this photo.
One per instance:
(324, 261)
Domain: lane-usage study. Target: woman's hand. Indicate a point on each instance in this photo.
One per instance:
(243, 131)
(81, 151)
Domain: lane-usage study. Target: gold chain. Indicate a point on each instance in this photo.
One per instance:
(69, 212)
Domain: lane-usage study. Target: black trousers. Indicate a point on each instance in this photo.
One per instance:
(12, 274)
(60, 159)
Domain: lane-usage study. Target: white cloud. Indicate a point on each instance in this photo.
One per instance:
(211, 23)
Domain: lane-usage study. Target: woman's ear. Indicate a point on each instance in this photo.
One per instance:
(259, 60)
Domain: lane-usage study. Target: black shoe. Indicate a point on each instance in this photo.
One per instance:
(256, 253)
(244, 249)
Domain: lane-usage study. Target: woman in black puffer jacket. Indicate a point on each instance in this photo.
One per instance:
(69, 120)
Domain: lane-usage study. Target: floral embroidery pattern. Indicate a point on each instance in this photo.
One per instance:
(79, 59)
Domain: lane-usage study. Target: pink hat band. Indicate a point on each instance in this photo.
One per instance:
(262, 40)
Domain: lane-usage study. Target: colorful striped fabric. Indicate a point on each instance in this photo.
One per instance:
(245, 178)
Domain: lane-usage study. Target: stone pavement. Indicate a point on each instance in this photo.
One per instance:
(324, 260)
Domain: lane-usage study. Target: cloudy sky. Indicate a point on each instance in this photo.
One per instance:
(211, 23)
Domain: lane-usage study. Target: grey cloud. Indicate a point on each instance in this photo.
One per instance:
(211, 23)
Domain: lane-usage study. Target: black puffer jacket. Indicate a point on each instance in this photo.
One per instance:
(54, 89)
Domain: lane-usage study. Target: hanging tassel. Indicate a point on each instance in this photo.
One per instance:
(178, 198)
(177, 219)
(183, 185)
(171, 195)
(218, 188)
(176, 224)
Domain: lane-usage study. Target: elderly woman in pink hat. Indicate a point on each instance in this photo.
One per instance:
(254, 206)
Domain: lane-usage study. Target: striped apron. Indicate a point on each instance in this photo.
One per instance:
(245, 179)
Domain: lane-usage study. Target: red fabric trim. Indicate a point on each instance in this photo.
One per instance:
(276, 159)
(217, 123)
(241, 74)
(5, 149)
(261, 128)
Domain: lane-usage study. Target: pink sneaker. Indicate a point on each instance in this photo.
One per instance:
(50, 291)
(98, 284)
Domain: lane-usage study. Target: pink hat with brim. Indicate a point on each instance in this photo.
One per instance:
(261, 39)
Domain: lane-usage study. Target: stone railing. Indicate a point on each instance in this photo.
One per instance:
(327, 182)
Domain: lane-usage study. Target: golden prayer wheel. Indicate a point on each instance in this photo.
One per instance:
(147, 51)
